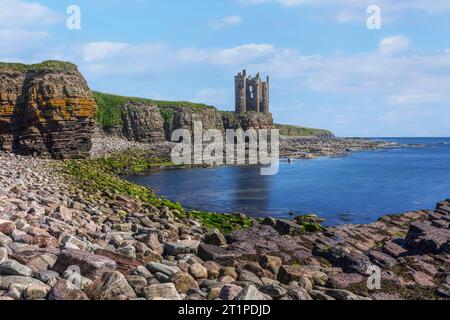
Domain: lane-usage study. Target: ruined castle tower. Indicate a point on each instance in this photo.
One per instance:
(251, 93)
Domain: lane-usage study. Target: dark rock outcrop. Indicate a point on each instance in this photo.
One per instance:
(45, 110)
(142, 123)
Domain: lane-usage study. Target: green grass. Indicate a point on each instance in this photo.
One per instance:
(46, 65)
(101, 178)
(289, 130)
(109, 113)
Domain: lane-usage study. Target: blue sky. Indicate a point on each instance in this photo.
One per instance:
(327, 68)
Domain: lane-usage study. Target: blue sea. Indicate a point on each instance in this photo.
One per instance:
(358, 188)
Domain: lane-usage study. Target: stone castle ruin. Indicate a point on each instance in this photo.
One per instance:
(251, 93)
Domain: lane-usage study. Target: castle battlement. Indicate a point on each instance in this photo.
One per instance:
(251, 93)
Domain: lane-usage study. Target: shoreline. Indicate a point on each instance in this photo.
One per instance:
(125, 235)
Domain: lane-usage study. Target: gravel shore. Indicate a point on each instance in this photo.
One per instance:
(60, 243)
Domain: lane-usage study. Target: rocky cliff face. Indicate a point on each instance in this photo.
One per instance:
(247, 120)
(146, 122)
(143, 123)
(45, 110)
(184, 117)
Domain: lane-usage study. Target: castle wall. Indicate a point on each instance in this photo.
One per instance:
(251, 94)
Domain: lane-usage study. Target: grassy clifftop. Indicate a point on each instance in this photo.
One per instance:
(289, 130)
(109, 111)
(46, 65)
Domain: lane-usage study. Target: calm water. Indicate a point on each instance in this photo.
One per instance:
(358, 189)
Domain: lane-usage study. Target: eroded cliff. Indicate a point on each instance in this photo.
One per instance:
(115, 118)
(46, 110)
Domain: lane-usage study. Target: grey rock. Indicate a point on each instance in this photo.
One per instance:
(214, 237)
(216, 254)
(165, 291)
(36, 291)
(112, 284)
(181, 247)
(230, 292)
(13, 268)
(155, 267)
(251, 293)
(64, 290)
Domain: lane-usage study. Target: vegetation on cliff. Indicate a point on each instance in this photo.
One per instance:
(109, 113)
(45, 65)
(289, 130)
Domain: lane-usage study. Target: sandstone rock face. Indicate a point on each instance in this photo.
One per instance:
(45, 110)
(142, 123)
(247, 120)
(184, 117)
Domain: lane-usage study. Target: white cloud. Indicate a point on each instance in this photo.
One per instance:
(387, 76)
(18, 14)
(95, 51)
(415, 98)
(355, 10)
(393, 45)
(229, 56)
(227, 22)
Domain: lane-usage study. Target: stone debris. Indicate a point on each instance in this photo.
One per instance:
(59, 244)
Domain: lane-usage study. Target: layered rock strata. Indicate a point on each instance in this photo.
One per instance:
(45, 110)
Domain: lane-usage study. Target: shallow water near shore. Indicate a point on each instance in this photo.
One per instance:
(358, 188)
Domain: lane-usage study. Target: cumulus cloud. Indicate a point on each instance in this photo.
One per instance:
(18, 14)
(386, 75)
(228, 56)
(355, 10)
(393, 45)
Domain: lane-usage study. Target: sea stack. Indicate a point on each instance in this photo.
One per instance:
(46, 110)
